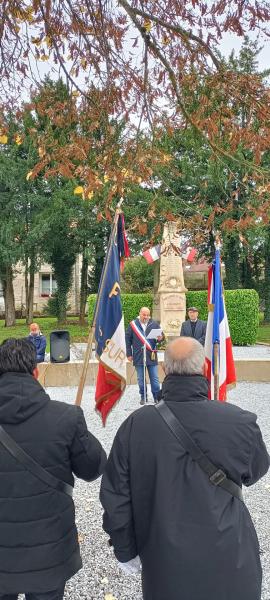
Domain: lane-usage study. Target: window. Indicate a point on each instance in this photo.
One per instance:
(48, 285)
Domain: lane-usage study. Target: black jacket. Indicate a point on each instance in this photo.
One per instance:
(196, 541)
(135, 346)
(39, 547)
(199, 333)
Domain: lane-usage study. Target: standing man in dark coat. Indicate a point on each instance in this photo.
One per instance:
(195, 540)
(39, 548)
(136, 336)
(194, 327)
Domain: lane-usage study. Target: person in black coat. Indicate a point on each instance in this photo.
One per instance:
(39, 549)
(194, 327)
(195, 540)
(137, 331)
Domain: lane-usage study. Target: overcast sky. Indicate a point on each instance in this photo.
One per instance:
(233, 42)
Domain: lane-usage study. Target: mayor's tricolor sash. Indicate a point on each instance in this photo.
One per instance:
(141, 336)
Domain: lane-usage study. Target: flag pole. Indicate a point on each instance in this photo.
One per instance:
(92, 329)
(216, 345)
(216, 370)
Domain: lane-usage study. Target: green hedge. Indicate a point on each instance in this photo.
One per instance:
(242, 310)
(131, 305)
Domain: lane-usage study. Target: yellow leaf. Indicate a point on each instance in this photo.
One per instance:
(90, 195)
(106, 178)
(48, 41)
(78, 190)
(44, 57)
(147, 25)
(3, 139)
(18, 140)
(167, 158)
(125, 172)
(17, 29)
(36, 41)
(84, 63)
(75, 94)
(41, 152)
(109, 597)
(29, 175)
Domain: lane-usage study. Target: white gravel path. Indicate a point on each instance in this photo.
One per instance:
(100, 578)
(257, 351)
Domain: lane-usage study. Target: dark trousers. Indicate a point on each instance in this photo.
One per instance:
(54, 595)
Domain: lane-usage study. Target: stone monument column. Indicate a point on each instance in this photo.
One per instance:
(171, 290)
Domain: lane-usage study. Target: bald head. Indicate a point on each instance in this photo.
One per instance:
(184, 356)
(144, 314)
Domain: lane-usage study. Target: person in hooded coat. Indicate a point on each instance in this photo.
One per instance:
(39, 549)
(194, 540)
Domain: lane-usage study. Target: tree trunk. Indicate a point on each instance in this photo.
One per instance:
(267, 277)
(63, 275)
(61, 305)
(26, 287)
(246, 274)
(10, 317)
(231, 259)
(30, 299)
(84, 290)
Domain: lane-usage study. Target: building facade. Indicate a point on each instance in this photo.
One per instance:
(44, 288)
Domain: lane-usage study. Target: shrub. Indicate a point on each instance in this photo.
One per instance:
(131, 305)
(138, 276)
(243, 315)
(242, 310)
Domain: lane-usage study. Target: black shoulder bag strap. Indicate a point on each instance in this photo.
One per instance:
(32, 466)
(216, 476)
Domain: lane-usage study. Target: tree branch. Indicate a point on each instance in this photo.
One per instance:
(185, 35)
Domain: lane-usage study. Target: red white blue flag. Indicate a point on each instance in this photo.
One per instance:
(217, 332)
(185, 251)
(109, 325)
(152, 254)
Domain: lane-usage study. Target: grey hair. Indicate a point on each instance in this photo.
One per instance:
(191, 364)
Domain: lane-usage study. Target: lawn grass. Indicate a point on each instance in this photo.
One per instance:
(78, 333)
(264, 333)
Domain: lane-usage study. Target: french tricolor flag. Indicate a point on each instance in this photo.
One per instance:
(152, 254)
(218, 332)
(189, 254)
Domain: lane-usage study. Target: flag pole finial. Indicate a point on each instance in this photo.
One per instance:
(119, 204)
(217, 242)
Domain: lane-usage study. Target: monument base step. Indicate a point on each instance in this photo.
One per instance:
(68, 374)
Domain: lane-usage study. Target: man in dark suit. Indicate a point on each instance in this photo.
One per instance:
(193, 327)
(136, 337)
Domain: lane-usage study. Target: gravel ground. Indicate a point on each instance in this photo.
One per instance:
(259, 351)
(100, 578)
